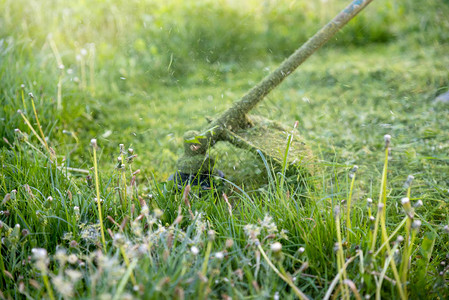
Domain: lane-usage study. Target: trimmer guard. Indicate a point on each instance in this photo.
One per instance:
(271, 139)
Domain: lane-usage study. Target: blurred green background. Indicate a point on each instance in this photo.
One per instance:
(144, 72)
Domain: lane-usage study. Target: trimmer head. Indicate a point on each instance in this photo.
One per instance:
(279, 145)
(272, 140)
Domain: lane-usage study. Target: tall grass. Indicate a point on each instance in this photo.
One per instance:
(73, 229)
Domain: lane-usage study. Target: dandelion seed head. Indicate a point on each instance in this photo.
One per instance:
(72, 259)
(63, 286)
(39, 253)
(119, 239)
(194, 250)
(337, 211)
(409, 181)
(93, 143)
(387, 139)
(380, 206)
(252, 232)
(74, 275)
(416, 224)
(405, 201)
(61, 256)
(229, 243)
(276, 247)
(211, 234)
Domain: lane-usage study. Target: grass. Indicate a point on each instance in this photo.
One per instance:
(145, 72)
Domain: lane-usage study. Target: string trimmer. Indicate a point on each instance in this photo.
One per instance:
(251, 132)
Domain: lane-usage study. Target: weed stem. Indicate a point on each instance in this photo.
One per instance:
(97, 188)
(297, 291)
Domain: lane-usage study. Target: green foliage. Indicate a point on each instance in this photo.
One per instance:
(141, 73)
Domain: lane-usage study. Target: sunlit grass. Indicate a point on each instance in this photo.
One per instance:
(141, 73)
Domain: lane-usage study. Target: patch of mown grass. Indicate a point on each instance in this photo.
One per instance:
(126, 80)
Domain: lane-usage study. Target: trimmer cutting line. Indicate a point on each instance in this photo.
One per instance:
(252, 132)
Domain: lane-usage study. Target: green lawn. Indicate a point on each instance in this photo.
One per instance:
(141, 73)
